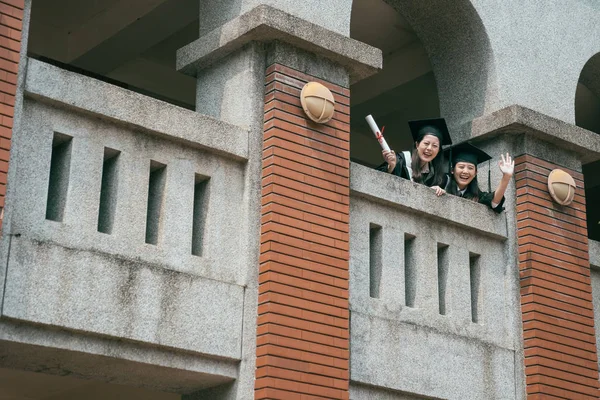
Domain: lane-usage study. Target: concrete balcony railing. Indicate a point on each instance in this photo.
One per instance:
(433, 292)
(124, 219)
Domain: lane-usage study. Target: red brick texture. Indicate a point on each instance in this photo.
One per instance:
(11, 24)
(302, 336)
(556, 293)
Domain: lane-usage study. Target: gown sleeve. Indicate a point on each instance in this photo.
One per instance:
(400, 169)
(445, 182)
(487, 197)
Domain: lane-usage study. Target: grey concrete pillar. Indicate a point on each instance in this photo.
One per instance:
(237, 44)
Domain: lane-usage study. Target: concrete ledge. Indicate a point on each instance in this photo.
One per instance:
(594, 251)
(388, 189)
(367, 392)
(100, 295)
(518, 120)
(51, 84)
(265, 23)
(395, 356)
(35, 348)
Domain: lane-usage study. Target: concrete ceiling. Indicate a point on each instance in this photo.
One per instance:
(23, 385)
(132, 41)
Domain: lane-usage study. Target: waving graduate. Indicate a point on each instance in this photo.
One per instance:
(463, 175)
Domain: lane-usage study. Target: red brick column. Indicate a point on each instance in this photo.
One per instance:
(302, 338)
(556, 299)
(11, 25)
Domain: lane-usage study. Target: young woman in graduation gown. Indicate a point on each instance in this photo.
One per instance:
(426, 165)
(463, 176)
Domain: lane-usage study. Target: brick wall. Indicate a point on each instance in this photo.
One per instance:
(302, 337)
(556, 293)
(11, 17)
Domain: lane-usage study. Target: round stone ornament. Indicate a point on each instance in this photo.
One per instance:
(317, 102)
(561, 186)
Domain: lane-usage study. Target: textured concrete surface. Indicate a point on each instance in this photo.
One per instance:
(60, 352)
(222, 248)
(219, 89)
(515, 145)
(594, 253)
(365, 392)
(309, 63)
(517, 120)
(107, 101)
(414, 359)
(93, 293)
(539, 50)
(265, 23)
(333, 15)
(18, 114)
(415, 349)
(385, 188)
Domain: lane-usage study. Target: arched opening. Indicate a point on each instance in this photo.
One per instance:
(404, 89)
(436, 62)
(587, 115)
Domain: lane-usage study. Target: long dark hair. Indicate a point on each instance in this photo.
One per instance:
(438, 168)
(472, 192)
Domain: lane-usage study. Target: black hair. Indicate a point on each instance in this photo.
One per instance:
(437, 164)
(472, 192)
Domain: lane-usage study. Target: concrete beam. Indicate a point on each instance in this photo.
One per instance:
(518, 120)
(265, 24)
(55, 85)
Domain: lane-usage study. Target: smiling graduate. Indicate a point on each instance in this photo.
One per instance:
(463, 175)
(425, 164)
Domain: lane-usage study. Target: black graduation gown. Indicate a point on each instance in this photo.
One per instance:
(487, 197)
(484, 198)
(401, 170)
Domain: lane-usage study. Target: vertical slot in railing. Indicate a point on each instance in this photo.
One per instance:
(201, 195)
(475, 278)
(410, 273)
(58, 185)
(443, 266)
(156, 189)
(375, 260)
(108, 190)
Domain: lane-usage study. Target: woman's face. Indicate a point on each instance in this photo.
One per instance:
(464, 173)
(428, 148)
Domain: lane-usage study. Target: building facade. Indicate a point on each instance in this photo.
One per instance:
(175, 227)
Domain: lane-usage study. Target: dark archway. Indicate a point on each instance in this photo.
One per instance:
(437, 61)
(587, 116)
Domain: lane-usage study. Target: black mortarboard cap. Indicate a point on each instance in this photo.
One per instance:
(466, 152)
(434, 126)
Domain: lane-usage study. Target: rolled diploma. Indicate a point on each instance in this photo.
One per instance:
(377, 133)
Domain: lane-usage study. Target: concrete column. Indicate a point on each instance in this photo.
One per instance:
(550, 245)
(250, 74)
